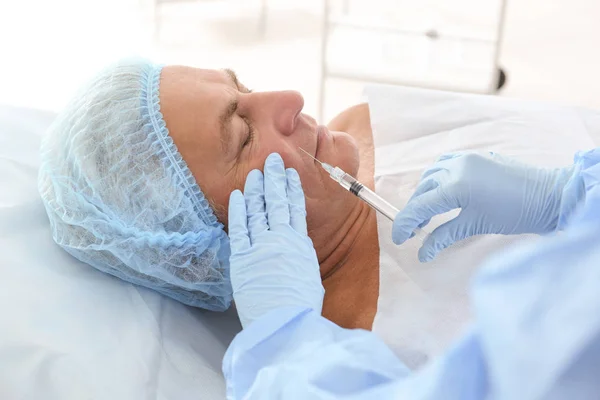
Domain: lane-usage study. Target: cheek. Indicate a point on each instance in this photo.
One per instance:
(314, 183)
(318, 187)
(291, 159)
(217, 192)
(310, 177)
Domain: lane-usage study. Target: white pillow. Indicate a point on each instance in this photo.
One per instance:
(430, 123)
(423, 307)
(68, 331)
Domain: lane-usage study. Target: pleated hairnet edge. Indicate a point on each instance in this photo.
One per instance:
(151, 98)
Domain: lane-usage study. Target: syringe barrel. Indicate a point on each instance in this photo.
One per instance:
(367, 195)
(375, 201)
(349, 183)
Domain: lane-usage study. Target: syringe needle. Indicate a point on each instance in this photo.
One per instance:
(365, 194)
(308, 154)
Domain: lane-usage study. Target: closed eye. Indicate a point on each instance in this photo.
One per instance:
(250, 135)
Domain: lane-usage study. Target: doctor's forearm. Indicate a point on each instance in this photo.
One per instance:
(289, 351)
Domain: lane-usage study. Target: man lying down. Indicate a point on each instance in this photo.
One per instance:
(137, 171)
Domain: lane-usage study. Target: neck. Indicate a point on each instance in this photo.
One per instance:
(349, 270)
(343, 243)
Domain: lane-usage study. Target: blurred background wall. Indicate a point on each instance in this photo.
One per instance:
(548, 48)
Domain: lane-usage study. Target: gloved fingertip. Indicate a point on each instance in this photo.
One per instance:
(254, 181)
(255, 174)
(292, 175)
(236, 192)
(274, 159)
(399, 233)
(430, 248)
(424, 254)
(236, 199)
(398, 236)
(426, 259)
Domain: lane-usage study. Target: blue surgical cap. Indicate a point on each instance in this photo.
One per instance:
(121, 198)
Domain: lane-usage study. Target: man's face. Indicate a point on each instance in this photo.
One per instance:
(223, 131)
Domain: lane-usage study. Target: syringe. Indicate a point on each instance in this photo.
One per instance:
(352, 185)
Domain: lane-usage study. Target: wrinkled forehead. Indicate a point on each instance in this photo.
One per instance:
(182, 86)
(187, 74)
(191, 100)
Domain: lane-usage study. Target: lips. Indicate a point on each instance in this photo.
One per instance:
(321, 133)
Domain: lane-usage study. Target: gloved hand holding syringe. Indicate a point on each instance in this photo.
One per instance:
(352, 185)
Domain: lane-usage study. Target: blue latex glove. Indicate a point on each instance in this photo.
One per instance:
(497, 195)
(273, 261)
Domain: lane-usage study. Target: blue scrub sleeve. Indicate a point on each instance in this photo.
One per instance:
(535, 333)
(299, 343)
(584, 179)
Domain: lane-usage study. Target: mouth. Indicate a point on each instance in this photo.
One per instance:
(321, 133)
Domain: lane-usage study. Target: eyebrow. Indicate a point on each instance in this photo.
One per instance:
(225, 124)
(228, 113)
(233, 76)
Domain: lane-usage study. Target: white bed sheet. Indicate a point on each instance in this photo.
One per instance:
(68, 331)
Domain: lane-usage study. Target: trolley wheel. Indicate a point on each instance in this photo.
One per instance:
(501, 79)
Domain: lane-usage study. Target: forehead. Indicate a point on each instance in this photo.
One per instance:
(191, 100)
(182, 72)
(187, 85)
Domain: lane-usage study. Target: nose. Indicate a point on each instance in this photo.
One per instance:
(282, 108)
